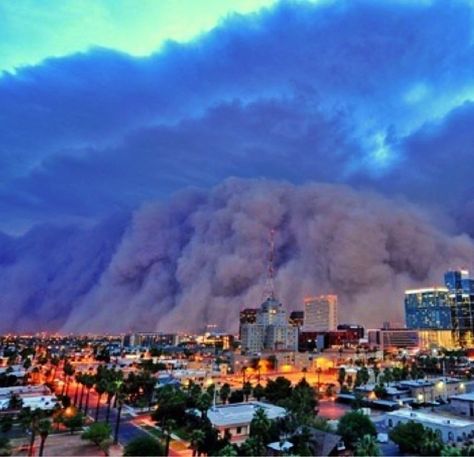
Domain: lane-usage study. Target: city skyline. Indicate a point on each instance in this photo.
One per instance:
(143, 163)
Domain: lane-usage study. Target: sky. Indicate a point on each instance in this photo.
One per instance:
(108, 109)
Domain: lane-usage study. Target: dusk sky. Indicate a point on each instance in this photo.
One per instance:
(136, 124)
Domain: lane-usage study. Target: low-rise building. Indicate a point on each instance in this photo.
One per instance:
(434, 389)
(463, 404)
(34, 397)
(235, 418)
(450, 430)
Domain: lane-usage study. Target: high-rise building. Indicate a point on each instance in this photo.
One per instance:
(461, 296)
(247, 316)
(271, 331)
(297, 318)
(428, 308)
(320, 313)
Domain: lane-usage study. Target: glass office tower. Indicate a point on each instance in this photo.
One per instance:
(461, 296)
(428, 309)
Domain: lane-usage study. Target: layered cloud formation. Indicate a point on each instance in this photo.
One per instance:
(202, 257)
(374, 95)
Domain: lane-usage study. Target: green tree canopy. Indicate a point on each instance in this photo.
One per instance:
(144, 446)
(353, 426)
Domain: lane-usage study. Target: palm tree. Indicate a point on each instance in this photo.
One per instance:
(30, 420)
(15, 401)
(224, 393)
(367, 446)
(89, 383)
(204, 403)
(168, 427)
(68, 372)
(55, 363)
(120, 398)
(110, 390)
(100, 388)
(247, 390)
(44, 429)
(196, 440)
(77, 378)
(82, 380)
(258, 392)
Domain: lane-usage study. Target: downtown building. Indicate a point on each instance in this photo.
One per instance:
(444, 309)
(271, 330)
(320, 313)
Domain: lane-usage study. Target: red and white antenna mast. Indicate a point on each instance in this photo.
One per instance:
(269, 290)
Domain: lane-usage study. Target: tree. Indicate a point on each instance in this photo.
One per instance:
(380, 391)
(367, 446)
(144, 445)
(88, 380)
(278, 390)
(247, 390)
(227, 451)
(224, 392)
(196, 440)
(6, 424)
(301, 403)
(258, 392)
(68, 372)
(341, 376)
(29, 419)
(431, 443)
(100, 389)
(120, 396)
(451, 451)
(5, 446)
(44, 429)
(73, 421)
(168, 429)
(252, 447)
(171, 404)
(362, 377)
(353, 426)
(408, 436)
(236, 396)
(99, 434)
(204, 403)
(15, 401)
(260, 430)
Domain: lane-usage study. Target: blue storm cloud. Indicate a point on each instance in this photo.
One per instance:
(331, 91)
(376, 96)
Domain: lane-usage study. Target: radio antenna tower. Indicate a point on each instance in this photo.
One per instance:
(269, 290)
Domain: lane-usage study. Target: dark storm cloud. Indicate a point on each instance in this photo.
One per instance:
(370, 94)
(379, 70)
(201, 257)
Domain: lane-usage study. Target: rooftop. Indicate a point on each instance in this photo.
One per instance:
(242, 413)
(463, 397)
(430, 418)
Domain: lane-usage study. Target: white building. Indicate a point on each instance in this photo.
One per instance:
(235, 418)
(271, 331)
(320, 313)
(463, 404)
(449, 430)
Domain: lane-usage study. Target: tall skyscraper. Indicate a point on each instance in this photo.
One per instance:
(320, 313)
(428, 308)
(271, 331)
(461, 295)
